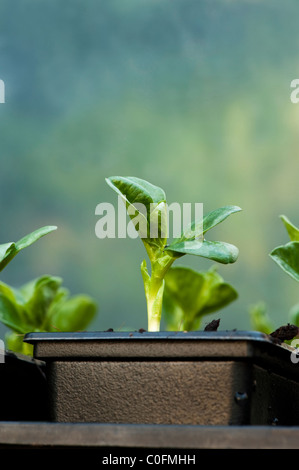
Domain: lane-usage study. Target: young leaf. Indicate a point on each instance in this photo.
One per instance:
(195, 294)
(4, 251)
(198, 228)
(138, 194)
(43, 305)
(136, 190)
(12, 315)
(174, 314)
(39, 295)
(8, 291)
(14, 342)
(287, 257)
(217, 251)
(74, 314)
(13, 312)
(217, 216)
(9, 250)
(291, 229)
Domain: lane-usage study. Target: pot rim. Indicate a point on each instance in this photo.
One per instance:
(227, 335)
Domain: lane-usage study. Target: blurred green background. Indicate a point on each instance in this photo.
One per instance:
(192, 95)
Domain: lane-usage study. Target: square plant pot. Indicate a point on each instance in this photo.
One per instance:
(197, 378)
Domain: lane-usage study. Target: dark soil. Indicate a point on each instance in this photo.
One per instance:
(213, 325)
(283, 333)
(286, 332)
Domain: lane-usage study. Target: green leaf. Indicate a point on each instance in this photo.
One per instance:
(5, 250)
(198, 228)
(14, 342)
(12, 315)
(8, 291)
(34, 236)
(174, 314)
(42, 305)
(136, 190)
(194, 294)
(9, 250)
(138, 194)
(217, 216)
(291, 229)
(25, 309)
(39, 295)
(287, 257)
(73, 314)
(217, 251)
(13, 310)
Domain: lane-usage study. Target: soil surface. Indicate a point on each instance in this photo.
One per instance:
(283, 333)
(213, 325)
(286, 332)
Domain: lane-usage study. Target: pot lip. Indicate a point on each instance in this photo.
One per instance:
(227, 335)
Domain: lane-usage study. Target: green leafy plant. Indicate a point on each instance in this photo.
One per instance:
(40, 305)
(189, 295)
(287, 256)
(136, 192)
(9, 250)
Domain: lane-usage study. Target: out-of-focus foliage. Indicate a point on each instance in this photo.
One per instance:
(190, 295)
(9, 250)
(42, 305)
(259, 318)
(287, 256)
(194, 95)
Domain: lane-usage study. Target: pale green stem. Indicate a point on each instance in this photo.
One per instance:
(154, 304)
(154, 287)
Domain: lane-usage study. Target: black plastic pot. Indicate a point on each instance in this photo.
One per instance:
(196, 378)
(23, 388)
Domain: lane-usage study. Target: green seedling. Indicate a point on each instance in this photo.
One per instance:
(137, 193)
(287, 256)
(42, 305)
(190, 295)
(9, 250)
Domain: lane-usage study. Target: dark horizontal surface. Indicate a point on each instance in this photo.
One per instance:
(124, 436)
(155, 336)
